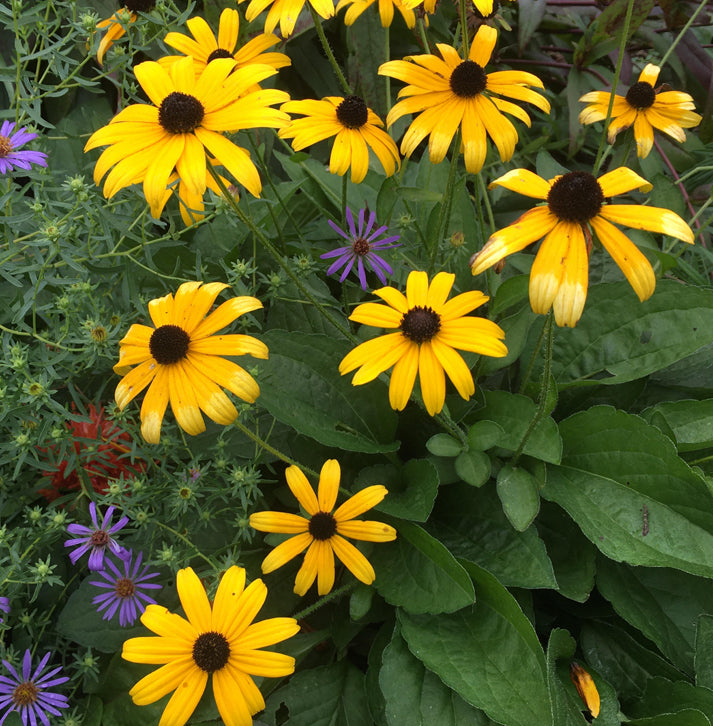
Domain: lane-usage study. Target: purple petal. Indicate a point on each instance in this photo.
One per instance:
(347, 269)
(372, 219)
(338, 230)
(336, 253)
(350, 223)
(341, 261)
(362, 273)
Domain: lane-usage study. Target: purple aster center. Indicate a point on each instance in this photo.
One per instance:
(25, 694)
(576, 197)
(5, 146)
(360, 246)
(100, 538)
(211, 651)
(641, 95)
(169, 344)
(180, 113)
(124, 587)
(322, 526)
(219, 53)
(136, 6)
(468, 79)
(420, 324)
(352, 112)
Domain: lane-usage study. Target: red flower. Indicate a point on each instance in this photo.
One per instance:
(100, 448)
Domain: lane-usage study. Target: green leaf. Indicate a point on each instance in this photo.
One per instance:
(417, 573)
(324, 406)
(622, 660)
(519, 496)
(565, 711)
(663, 604)
(444, 445)
(412, 488)
(331, 695)
(530, 14)
(690, 421)
(471, 523)
(571, 553)
(514, 413)
(473, 467)
(687, 717)
(664, 696)
(620, 339)
(468, 648)
(483, 435)
(416, 696)
(703, 658)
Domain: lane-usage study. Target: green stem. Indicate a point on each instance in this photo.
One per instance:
(542, 398)
(445, 211)
(185, 539)
(682, 32)
(451, 426)
(334, 595)
(387, 58)
(344, 200)
(328, 50)
(617, 72)
(279, 258)
(464, 26)
(422, 33)
(486, 200)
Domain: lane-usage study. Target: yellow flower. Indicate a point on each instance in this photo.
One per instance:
(191, 203)
(221, 640)
(148, 142)
(127, 14)
(452, 93)
(586, 688)
(386, 10)
(285, 12)
(205, 47)
(322, 535)
(644, 108)
(356, 129)
(181, 360)
(576, 203)
(430, 329)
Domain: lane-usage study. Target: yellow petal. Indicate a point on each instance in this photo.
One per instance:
(455, 367)
(154, 406)
(523, 182)
(286, 551)
(359, 503)
(432, 378)
(328, 487)
(194, 599)
(185, 698)
(301, 489)
(368, 531)
(652, 219)
(354, 560)
(281, 522)
(622, 180)
(403, 377)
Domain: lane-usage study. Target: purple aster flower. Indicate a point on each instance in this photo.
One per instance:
(10, 157)
(28, 695)
(4, 606)
(362, 243)
(125, 590)
(96, 539)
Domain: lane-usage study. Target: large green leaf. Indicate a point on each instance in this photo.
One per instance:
(691, 422)
(623, 447)
(514, 414)
(664, 696)
(331, 695)
(488, 653)
(565, 712)
(662, 603)
(471, 523)
(703, 659)
(620, 339)
(416, 696)
(301, 386)
(687, 717)
(419, 574)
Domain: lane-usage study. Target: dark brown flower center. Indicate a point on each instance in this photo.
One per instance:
(138, 6)
(468, 79)
(420, 324)
(641, 95)
(124, 587)
(352, 112)
(25, 694)
(180, 113)
(5, 146)
(100, 538)
(322, 526)
(219, 53)
(169, 344)
(211, 651)
(575, 197)
(360, 247)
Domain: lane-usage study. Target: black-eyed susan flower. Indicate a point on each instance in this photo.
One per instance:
(355, 127)
(586, 688)
(285, 12)
(181, 360)
(205, 47)
(219, 640)
(323, 533)
(191, 203)
(386, 10)
(147, 143)
(430, 329)
(449, 93)
(576, 204)
(116, 24)
(645, 108)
